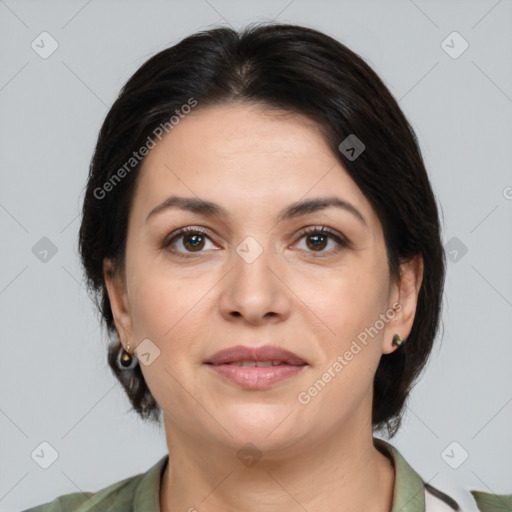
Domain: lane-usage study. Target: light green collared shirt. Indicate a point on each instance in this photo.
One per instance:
(141, 493)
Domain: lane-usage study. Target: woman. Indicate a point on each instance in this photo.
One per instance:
(264, 244)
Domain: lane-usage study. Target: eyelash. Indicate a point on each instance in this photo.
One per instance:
(316, 230)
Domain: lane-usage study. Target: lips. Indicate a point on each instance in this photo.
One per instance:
(256, 368)
(243, 354)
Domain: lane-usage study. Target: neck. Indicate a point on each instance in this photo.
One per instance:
(339, 472)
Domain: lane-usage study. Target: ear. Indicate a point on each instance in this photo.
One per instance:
(406, 298)
(116, 288)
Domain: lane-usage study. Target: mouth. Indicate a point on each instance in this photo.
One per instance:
(267, 355)
(256, 368)
(259, 364)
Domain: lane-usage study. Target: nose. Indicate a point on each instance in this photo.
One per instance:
(255, 289)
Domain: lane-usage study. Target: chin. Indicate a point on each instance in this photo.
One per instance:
(260, 421)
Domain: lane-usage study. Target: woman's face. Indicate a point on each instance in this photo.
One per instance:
(253, 278)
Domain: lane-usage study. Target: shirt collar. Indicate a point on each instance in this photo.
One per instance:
(147, 494)
(408, 493)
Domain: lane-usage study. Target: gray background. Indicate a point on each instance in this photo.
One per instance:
(56, 385)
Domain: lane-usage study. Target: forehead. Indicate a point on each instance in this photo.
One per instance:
(245, 156)
(230, 131)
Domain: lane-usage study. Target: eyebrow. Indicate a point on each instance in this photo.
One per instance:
(209, 209)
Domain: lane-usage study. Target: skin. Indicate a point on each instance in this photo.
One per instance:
(319, 456)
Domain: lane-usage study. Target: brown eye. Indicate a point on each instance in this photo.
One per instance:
(187, 240)
(193, 242)
(318, 238)
(318, 241)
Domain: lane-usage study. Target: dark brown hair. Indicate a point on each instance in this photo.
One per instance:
(299, 70)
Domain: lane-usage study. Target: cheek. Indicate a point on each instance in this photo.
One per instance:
(157, 302)
(352, 301)
(169, 312)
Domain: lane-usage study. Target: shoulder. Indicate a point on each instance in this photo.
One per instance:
(438, 501)
(65, 502)
(488, 502)
(121, 493)
(413, 494)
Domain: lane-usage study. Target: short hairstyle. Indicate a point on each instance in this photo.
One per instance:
(299, 70)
